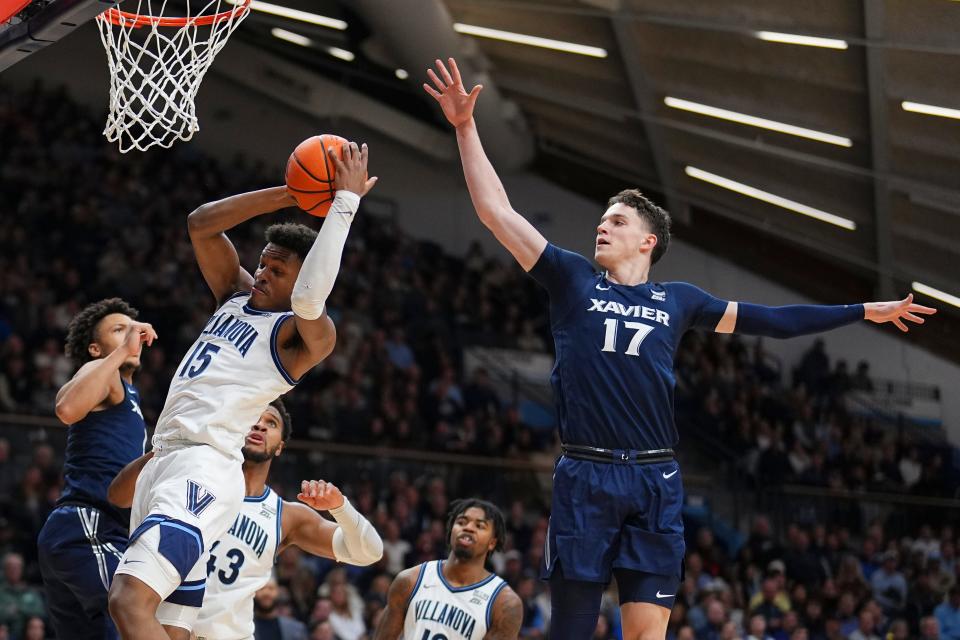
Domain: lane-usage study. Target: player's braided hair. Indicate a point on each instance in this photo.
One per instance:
(656, 217)
(290, 235)
(493, 513)
(80, 332)
(287, 426)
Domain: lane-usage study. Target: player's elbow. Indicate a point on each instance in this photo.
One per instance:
(492, 215)
(372, 553)
(68, 412)
(196, 220)
(117, 496)
(306, 305)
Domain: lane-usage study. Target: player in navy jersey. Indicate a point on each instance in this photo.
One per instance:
(84, 536)
(617, 494)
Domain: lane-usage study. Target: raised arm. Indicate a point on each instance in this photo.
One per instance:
(216, 255)
(311, 337)
(97, 385)
(391, 623)
(514, 232)
(507, 616)
(796, 320)
(352, 539)
(121, 490)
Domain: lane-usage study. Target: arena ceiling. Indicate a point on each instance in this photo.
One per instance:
(817, 142)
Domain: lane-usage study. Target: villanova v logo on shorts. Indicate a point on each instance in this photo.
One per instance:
(198, 498)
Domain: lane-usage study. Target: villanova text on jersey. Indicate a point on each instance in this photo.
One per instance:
(250, 533)
(448, 615)
(613, 378)
(239, 333)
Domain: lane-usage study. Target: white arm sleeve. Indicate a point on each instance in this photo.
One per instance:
(320, 267)
(355, 541)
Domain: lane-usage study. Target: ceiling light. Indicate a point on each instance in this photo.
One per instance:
(533, 41)
(342, 54)
(294, 14)
(402, 74)
(765, 196)
(809, 41)
(290, 36)
(754, 121)
(930, 110)
(927, 290)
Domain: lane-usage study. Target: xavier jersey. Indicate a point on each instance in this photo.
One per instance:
(613, 378)
(439, 611)
(98, 447)
(226, 379)
(240, 563)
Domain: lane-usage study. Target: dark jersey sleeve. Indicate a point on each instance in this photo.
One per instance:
(701, 310)
(562, 273)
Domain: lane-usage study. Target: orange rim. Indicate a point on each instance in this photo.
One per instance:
(135, 20)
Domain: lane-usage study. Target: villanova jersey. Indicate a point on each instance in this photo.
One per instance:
(226, 379)
(438, 610)
(98, 447)
(613, 377)
(240, 563)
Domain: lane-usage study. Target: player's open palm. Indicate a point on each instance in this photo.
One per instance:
(456, 103)
(138, 334)
(320, 495)
(897, 311)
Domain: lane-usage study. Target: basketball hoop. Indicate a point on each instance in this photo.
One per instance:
(157, 63)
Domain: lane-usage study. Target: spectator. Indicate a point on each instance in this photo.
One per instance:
(947, 615)
(899, 630)
(757, 629)
(533, 619)
(34, 629)
(346, 620)
(866, 629)
(321, 631)
(889, 585)
(18, 601)
(861, 379)
(929, 629)
(395, 548)
(268, 623)
(769, 603)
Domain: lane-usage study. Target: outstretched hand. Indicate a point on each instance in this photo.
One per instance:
(320, 495)
(350, 171)
(896, 312)
(456, 103)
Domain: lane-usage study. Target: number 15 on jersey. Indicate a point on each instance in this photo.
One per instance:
(199, 360)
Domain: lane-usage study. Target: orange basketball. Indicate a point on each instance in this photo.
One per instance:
(310, 173)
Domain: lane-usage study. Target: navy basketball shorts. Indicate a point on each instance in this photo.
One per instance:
(618, 518)
(79, 548)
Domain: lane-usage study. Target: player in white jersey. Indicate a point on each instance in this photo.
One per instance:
(251, 351)
(458, 598)
(241, 561)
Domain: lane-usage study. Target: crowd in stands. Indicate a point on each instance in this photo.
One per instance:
(80, 225)
(799, 427)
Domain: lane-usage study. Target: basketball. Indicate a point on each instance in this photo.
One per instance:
(310, 172)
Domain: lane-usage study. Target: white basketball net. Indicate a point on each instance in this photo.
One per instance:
(156, 70)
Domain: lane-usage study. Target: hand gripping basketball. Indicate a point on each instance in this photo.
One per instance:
(311, 173)
(350, 170)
